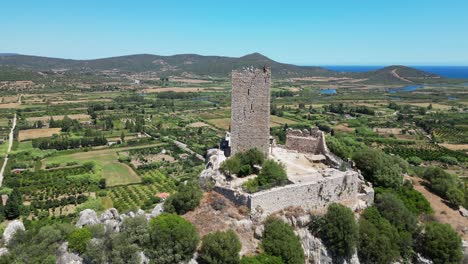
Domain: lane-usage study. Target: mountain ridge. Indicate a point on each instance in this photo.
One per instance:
(200, 65)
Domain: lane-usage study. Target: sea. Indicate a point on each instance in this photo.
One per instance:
(458, 72)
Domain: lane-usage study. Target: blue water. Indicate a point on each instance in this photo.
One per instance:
(328, 91)
(451, 98)
(408, 88)
(460, 72)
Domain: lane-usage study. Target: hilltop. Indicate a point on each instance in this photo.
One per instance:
(203, 66)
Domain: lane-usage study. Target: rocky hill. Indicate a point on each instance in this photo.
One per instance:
(201, 66)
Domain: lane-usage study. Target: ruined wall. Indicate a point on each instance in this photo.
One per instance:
(310, 195)
(306, 141)
(250, 110)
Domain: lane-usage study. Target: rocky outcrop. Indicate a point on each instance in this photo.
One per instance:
(3, 251)
(11, 229)
(211, 174)
(87, 217)
(65, 257)
(463, 212)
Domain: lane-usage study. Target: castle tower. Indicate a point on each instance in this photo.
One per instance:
(250, 110)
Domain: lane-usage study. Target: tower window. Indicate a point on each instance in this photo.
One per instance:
(248, 91)
(251, 106)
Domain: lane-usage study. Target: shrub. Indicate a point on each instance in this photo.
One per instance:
(279, 240)
(261, 259)
(340, 231)
(78, 239)
(395, 211)
(414, 160)
(446, 185)
(413, 200)
(441, 243)
(220, 247)
(449, 160)
(243, 163)
(272, 174)
(378, 239)
(379, 168)
(172, 239)
(186, 198)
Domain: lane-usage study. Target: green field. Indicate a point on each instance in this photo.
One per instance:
(106, 160)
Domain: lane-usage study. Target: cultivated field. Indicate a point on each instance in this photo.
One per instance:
(37, 133)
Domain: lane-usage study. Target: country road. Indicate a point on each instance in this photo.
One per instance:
(10, 145)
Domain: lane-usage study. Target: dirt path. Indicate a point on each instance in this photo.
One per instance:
(395, 74)
(10, 145)
(442, 212)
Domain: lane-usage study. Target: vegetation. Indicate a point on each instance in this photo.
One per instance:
(379, 168)
(172, 239)
(78, 239)
(185, 199)
(441, 243)
(220, 247)
(279, 240)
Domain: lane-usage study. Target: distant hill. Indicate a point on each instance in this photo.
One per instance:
(201, 66)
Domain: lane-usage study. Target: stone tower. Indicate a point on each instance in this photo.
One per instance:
(250, 110)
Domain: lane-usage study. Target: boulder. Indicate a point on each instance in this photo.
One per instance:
(463, 211)
(143, 258)
(3, 251)
(109, 214)
(112, 225)
(65, 257)
(244, 224)
(303, 220)
(13, 227)
(157, 210)
(87, 217)
(140, 212)
(422, 260)
(258, 234)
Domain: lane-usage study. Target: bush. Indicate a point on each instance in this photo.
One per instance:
(379, 168)
(413, 200)
(339, 231)
(279, 240)
(378, 239)
(441, 243)
(272, 174)
(186, 198)
(416, 161)
(220, 247)
(449, 160)
(172, 239)
(395, 211)
(78, 240)
(261, 259)
(243, 163)
(446, 185)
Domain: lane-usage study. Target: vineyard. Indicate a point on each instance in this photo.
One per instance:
(141, 195)
(428, 152)
(451, 135)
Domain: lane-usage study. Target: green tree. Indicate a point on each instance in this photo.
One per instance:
(272, 174)
(378, 239)
(394, 210)
(279, 240)
(172, 239)
(261, 259)
(12, 206)
(220, 248)
(340, 231)
(441, 243)
(378, 168)
(78, 239)
(186, 198)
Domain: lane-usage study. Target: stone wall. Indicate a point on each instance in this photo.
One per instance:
(250, 110)
(306, 141)
(311, 195)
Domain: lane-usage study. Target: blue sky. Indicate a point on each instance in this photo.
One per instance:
(345, 32)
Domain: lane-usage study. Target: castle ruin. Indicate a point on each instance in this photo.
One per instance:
(316, 176)
(250, 110)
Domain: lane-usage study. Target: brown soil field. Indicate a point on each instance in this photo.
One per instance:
(442, 212)
(58, 117)
(385, 130)
(275, 121)
(174, 89)
(344, 128)
(37, 133)
(455, 146)
(82, 101)
(8, 99)
(10, 105)
(198, 124)
(434, 106)
(186, 80)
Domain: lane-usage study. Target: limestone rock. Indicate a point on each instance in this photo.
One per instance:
(65, 257)
(140, 212)
(87, 217)
(11, 230)
(244, 224)
(303, 220)
(143, 258)
(3, 251)
(259, 231)
(157, 210)
(463, 212)
(422, 260)
(112, 225)
(109, 214)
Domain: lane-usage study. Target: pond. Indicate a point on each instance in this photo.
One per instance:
(408, 88)
(328, 91)
(451, 98)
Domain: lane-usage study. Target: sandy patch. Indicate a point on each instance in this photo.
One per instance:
(10, 105)
(385, 130)
(198, 124)
(37, 133)
(455, 146)
(344, 128)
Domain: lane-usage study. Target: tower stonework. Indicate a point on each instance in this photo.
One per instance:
(250, 110)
